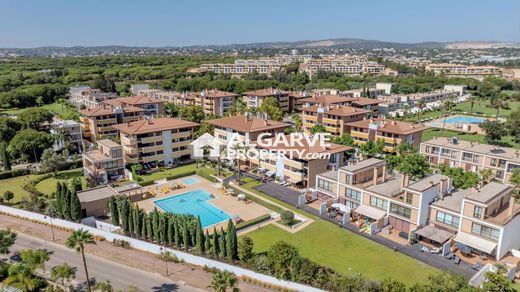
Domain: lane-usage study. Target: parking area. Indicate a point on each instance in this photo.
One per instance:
(279, 192)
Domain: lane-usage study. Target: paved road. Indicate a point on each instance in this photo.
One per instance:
(120, 276)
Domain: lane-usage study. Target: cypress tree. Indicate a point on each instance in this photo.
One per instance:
(143, 226)
(170, 231)
(59, 199)
(222, 243)
(137, 221)
(76, 184)
(155, 224)
(131, 221)
(215, 250)
(114, 214)
(162, 228)
(4, 157)
(123, 213)
(207, 243)
(199, 236)
(65, 209)
(232, 238)
(149, 228)
(185, 236)
(75, 207)
(177, 235)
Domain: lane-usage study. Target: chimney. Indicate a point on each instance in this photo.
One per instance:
(442, 188)
(511, 206)
(384, 173)
(404, 180)
(374, 178)
(265, 122)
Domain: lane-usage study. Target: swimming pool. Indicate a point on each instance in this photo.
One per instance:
(190, 181)
(460, 120)
(196, 204)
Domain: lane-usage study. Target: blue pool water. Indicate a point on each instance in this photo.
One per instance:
(194, 203)
(463, 120)
(190, 181)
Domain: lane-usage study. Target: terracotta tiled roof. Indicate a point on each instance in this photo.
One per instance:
(389, 126)
(266, 92)
(247, 124)
(343, 111)
(361, 101)
(107, 109)
(217, 93)
(328, 99)
(136, 100)
(152, 125)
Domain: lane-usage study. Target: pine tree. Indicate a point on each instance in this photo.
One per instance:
(222, 243)
(66, 203)
(75, 207)
(207, 243)
(199, 236)
(155, 224)
(112, 207)
(185, 236)
(215, 250)
(177, 235)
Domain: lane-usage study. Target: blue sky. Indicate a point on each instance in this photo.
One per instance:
(25, 23)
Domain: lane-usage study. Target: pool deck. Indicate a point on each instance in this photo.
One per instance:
(472, 128)
(227, 203)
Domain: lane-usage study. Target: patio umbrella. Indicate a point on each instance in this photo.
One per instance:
(241, 196)
(463, 248)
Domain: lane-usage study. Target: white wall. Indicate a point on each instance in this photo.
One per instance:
(154, 248)
(510, 238)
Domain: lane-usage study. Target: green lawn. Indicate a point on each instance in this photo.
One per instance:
(63, 111)
(507, 141)
(49, 185)
(46, 186)
(168, 172)
(341, 250)
(483, 108)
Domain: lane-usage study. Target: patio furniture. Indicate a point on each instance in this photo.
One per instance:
(477, 266)
(436, 250)
(424, 249)
(403, 235)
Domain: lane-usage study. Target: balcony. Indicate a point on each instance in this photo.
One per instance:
(359, 134)
(331, 121)
(150, 139)
(181, 135)
(310, 118)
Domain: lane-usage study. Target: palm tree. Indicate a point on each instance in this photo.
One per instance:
(498, 102)
(77, 240)
(63, 273)
(297, 120)
(21, 275)
(237, 147)
(406, 109)
(447, 106)
(472, 101)
(60, 136)
(486, 174)
(223, 280)
(221, 150)
(421, 104)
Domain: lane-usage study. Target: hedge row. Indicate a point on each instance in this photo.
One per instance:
(252, 222)
(14, 173)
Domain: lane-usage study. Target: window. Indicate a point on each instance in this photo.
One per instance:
(447, 219)
(477, 212)
(400, 210)
(356, 195)
(379, 203)
(485, 231)
(409, 198)
(326, 185)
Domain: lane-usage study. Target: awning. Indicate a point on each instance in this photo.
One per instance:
(475, 242)
(341, 207)
(435, 234)
(370, 212)
(293, 180)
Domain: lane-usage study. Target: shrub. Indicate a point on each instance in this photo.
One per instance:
(14, 173)
(252, 222)
(287, 217)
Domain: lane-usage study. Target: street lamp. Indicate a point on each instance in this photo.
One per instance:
(52, 226)
(165, 256)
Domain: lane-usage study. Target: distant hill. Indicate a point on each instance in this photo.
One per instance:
(306, 44)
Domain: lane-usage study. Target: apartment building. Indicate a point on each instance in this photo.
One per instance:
(370, 92)
(215, 102)
(349, 65)
(342, 100)
(334, 118)
(464, 70)
(485, 219)
(296, 164)
(71, 131)
(243, 67)
(376, 199)
(296, 100)
(178, 98)
(256, 98)
(160, 141)
(151, 106)
(87, 97)
(105, 163)
(245, 129)
(392, 132)
(99, 121)
(472, 156)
